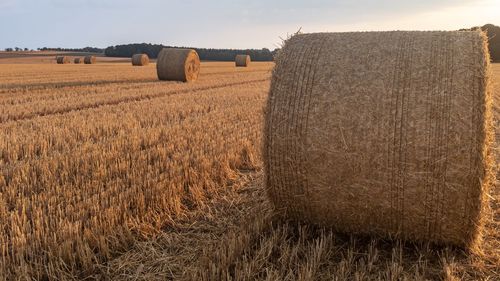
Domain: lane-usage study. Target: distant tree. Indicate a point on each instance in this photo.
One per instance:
(493, 33)
(26, 49)
(152, 51)
(17, 49)
(82, 50)
(9, 49)
(275, 51)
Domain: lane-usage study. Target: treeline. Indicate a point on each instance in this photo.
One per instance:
(79, 50)
(493, 33)
(17, 49)
(152, 51)
(264, 54)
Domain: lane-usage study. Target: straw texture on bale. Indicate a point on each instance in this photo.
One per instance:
(140, 60)
(78, 60)
(89, 60)
(242, 60)
(178, 65)
(384, 133)
(62, 60)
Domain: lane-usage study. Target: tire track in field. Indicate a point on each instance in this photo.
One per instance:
(128, 100)
(60, 85)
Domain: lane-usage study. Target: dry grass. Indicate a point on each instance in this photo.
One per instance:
(90, 166)
(259, 246)
(108, 174)
(268, 248)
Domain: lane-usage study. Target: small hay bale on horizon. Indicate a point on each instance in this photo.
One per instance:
(392, 139)
(140, 60)
(242, 60)
(78, 60)
(63, 60)
(89, 60)
(178, 65)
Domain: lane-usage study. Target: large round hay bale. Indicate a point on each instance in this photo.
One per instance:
(385, 133)
(62, 60)
(242, 60)
(178, 65)
(89, 60)
(140, 60)
(78, 60)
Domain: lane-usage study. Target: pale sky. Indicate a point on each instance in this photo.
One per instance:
(222, 23)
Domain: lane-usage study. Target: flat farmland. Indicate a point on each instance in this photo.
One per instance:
(107, 173)
(93, 155)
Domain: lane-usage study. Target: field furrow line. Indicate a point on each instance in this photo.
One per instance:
(127, 100)
(59, 85)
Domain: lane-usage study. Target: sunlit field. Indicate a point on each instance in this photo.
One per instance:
(107, 173)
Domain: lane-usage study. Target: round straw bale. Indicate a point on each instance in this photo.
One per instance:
(140, 60)
(385, 133)
(78, 60)
(242, 60)
(178, 64)
(89, 60)
(62, 60)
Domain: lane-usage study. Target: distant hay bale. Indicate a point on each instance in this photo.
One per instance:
(178, 65)
(62, 60)
(385, 133)
(242, 60)
(89, 59)
(78, 60)
(140, 60)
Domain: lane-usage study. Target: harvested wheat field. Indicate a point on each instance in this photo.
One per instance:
(107, 173)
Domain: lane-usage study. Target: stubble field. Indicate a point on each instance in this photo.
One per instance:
(107, 173)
